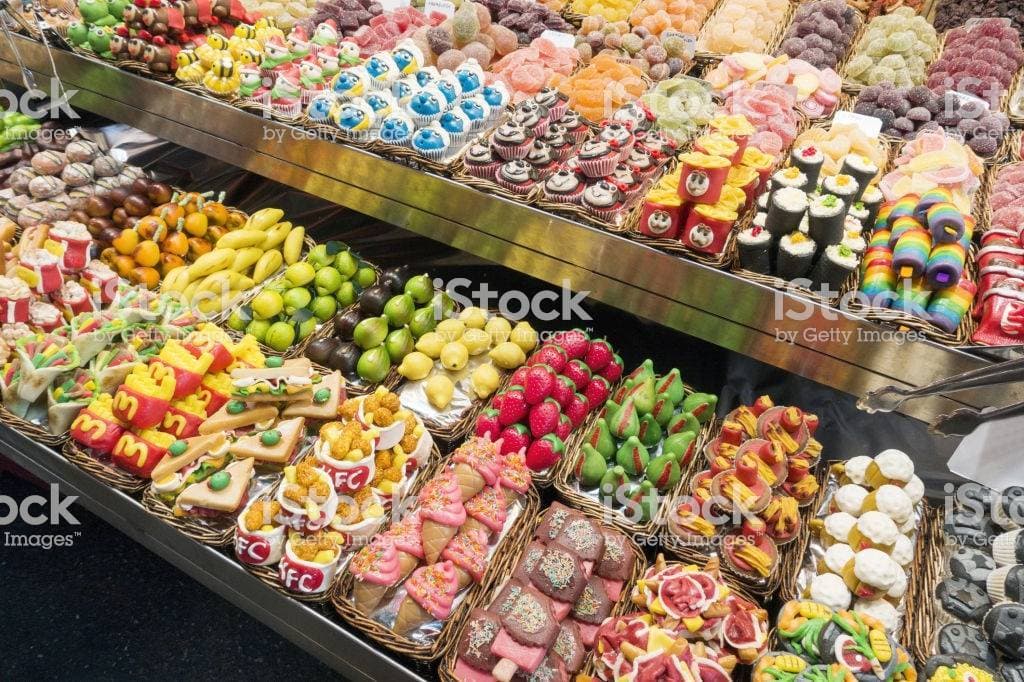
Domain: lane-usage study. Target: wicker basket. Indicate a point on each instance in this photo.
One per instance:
(774, 40)
(30, 430)
(446, 669)
(516, 535)
(104, 470)
(218, 532)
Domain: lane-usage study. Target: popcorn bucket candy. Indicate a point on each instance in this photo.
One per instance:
(40, 269)
(15, 297)
(188, 370)
(707, 228)
(100, 281)
(74, 240)
(660, 216)
(144, 396)
(305, 577)
(387, 436)
(737, 128)
(346, 476)
(96, 427)
(312, 516)
(261, 547)
(760, 162)
(702, 177)
(359, 532)
(184, 417)
(717, 144)
(140, 452)
(214, 391)
(746, 179)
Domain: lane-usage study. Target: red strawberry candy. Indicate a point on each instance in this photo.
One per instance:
(544, 452)
(513, 406)
(540, 380)
(599, 355)
(514, 438)
(551, 356)
(597, 390)
(487, 424)
(577, 409)
(562, 390)
(543, 418)
(564, 427)
(613, 370)
(578, 372)
(574, 342)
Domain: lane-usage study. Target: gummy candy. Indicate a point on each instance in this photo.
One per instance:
(742, 25)
(894, 49)
(817, 91)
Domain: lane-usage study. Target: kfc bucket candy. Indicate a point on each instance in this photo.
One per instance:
(742, 26)
(896, 49)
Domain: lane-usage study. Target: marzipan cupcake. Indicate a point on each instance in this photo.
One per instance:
(1008, 548)
(481, 162)
(891, 501)
(1006, 584)
(870, 574)
(517, 176)
(873, 530)
(889, 466)
(850, 499)
(831, 590)
(564, 186)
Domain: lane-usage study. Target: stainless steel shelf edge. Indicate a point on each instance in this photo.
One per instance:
(342, 650)
(712, 305)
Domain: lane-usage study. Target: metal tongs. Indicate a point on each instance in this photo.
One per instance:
(964, 420)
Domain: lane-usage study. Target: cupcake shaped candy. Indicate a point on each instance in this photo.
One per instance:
(531, 116)
(403, 90)
(476, 109)
(873, 530)
(456, 124)
(322, 107)
(382, 102)
(618, 136)
(1008, 548)
(407, 57)
(641, 162)
(557, 139)
(432, 142)
(636, 115)
(496, 96)
(603, 199)
(354, 82)
(903, 550)
(396, 128)
(541, 158)
(448, 85)
(830, 590)
(426, 105)
(870, 574)
(517, 176)
(1006, 583)
(426, 76)
(470, 76)
(835, 559)
(511, 141)
(889, 466)
(972, 565)
(574, 126)
(628, 183)
(881, 610)
(836, 528)
(382, 69)
(481, 162)
(849, 498)
(892, 502)
(563, 186)
(554, 101)
(597, 159)
(354, 116)
(854, 470)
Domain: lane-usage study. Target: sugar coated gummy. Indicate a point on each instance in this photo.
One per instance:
(893, 49)
(741, 26)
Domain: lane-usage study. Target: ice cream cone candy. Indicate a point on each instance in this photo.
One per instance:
(469, 479)
(406, 564)
(464, 578)
(410, 616)
(366, 596)
(473, 524)
(435, 538)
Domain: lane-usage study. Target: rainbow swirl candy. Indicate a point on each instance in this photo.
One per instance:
(912, 300)
(949, 306)
(969, 226)
(880, 238)
(911, 253)
(878, 282)
(902, 225)
(904, 207)
(882, 219)
(945, 265)
(938, 195)
(945, 222)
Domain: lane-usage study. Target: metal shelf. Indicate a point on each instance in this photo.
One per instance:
(311, 629)
(715, 306)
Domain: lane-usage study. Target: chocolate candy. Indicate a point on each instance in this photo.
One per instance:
(960, 638)
(962, 599)
(971, 565)
(1004, 626)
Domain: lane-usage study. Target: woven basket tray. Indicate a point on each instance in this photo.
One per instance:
(446, 668)
(500, 566)
(33, 431)
(568, 488)
(219, 534)
(774, 40)
(104, 470)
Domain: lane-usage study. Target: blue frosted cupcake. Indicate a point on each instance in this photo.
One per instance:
(355, 116)
(382, 102)
(321, 107)
(383, 70)
(354, 82)
(477, 110)
(456, 124)
(427, 75)
(404, 88)
(432, 142)
(471, 77)
(449, 86)
(426, 106)
(396, 128)
(496, 96)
